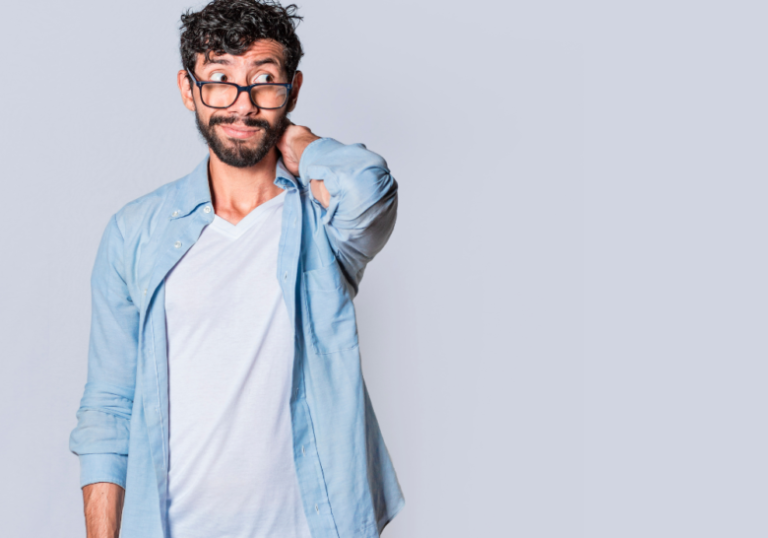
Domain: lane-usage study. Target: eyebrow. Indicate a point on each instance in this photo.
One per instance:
(255, 63)
(267, 60)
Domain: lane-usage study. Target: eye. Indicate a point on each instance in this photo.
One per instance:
(218, 77)
(264, 77)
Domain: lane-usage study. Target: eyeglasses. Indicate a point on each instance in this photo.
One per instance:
(266, 95)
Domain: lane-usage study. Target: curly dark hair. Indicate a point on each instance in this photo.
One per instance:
(231, 27)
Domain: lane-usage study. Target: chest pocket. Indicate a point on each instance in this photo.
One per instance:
(330, 311)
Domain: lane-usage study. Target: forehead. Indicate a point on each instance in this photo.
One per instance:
(260, 51)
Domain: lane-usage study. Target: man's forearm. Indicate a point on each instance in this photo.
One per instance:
(103, 503)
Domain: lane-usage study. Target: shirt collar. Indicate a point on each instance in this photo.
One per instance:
(283, 178)
(196, 190)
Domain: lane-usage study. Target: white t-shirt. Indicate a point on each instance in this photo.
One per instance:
(230, 360)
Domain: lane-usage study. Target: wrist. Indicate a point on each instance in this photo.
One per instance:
(303, 141)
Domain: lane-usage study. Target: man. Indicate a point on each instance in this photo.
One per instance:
(224, 394)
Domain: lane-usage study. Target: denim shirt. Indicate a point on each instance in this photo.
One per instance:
(348, 485)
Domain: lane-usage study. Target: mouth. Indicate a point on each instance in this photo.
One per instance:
(239, 132)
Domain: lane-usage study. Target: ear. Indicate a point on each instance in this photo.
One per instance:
(298, 79)
(185, 87)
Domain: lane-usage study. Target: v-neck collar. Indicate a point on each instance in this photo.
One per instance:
(256, 215)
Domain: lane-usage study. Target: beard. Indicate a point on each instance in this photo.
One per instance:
(238, 153)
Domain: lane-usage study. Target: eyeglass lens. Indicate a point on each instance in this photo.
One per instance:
(224, 95)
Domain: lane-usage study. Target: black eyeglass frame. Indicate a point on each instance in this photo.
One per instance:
(248, 89)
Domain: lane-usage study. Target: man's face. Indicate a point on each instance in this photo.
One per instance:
(242, 134)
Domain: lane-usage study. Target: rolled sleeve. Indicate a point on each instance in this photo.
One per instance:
(103, 468)
(101, 437)
(362, 211)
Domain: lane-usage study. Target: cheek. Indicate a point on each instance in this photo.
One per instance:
(272, 116)
(204, 114)
(278, 118)
(203, 119)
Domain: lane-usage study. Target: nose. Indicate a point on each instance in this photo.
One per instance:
(243, 104)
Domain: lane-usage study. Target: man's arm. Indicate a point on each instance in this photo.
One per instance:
(103, 504)
(101, 436)
(355, 189)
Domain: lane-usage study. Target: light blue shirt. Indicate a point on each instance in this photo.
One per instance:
(348, 485)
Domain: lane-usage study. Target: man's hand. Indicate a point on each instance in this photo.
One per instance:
(291, 145)
(103, 503)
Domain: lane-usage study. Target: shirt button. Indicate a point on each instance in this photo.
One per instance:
(177, 244)
(302, 450)
(317, 509)
(285, 276)
(175, 214)
(207, 209)
(145, 291)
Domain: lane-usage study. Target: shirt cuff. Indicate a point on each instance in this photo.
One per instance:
(311, 167)
(103, 468)
(313, 153)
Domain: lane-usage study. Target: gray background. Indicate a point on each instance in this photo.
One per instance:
(565, 336)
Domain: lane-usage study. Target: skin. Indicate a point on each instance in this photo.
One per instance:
(103, 504)
(235, 191)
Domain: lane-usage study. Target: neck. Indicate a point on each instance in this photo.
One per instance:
(236, 192)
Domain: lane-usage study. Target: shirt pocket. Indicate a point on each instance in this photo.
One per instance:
(330, 312)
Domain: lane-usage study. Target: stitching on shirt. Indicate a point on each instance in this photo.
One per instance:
(111, 414)
(305, 300)
(157, 384)
(317, 455)
(366, 527)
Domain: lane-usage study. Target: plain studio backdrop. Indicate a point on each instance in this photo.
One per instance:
(564, 337)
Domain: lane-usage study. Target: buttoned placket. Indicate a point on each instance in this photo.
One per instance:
(313, 487)
(181, 233)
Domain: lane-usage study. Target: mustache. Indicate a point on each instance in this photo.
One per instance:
(245, 120)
